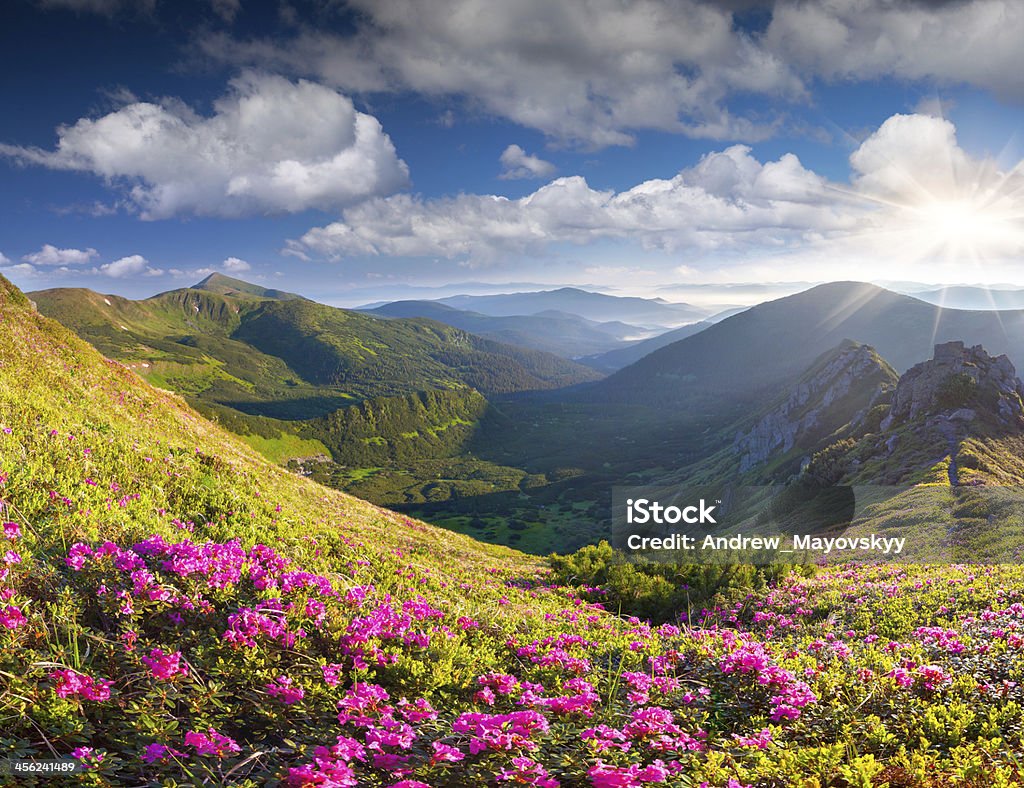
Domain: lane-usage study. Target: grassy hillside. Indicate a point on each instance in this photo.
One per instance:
(290, 357)
(367, 356)
(178, 611)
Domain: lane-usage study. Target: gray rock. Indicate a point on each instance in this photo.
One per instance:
(918, 392)
(780, 429)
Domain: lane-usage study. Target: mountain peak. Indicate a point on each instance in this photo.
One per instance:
(229, 286)
(833, 395)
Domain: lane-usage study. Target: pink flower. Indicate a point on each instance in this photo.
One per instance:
(11, 530)
(211, 743)
(11, 617)
(527, 771)
(758, 740)
(332, 674)
(69, 683)
(501, 731)
(283, 689)
(165, 666)
(159, 752)
(445, 753)
(88, 757)
(604, 775)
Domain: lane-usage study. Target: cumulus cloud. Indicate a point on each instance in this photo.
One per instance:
(270, 146)
(593, 72)
(51, 255)
(23, 270)
(728, 198)
(519, 164)
(132, 265)
(4, 259)
(588, 72)
(868, 39)
(235, 265)
(914, 193)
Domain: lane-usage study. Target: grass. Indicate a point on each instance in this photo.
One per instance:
(285, 447)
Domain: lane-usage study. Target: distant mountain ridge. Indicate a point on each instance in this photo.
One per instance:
(771, 342)
(971, 297)
(599, 307)
(551, 331)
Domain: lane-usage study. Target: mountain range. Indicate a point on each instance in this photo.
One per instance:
(598, 307)
(268, 352)
(520, 446)
(551, 331)
(973, 297)
(768, 344)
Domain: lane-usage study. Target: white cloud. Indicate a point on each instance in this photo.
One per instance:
(519, 164)
(271, 146)
(4, 259)
(582, 71)
(25, 270)
(915, 196)
(728, 199)
(593, 72)
(51, 255)
(132, 265)
(976, 42)
(235, 265)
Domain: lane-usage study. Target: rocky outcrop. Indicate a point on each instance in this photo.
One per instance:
(958, 385)
(838, 390)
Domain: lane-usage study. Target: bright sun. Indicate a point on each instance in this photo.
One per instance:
(962, 225)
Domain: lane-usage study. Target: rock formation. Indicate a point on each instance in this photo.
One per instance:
(957, 383)
(838, 390)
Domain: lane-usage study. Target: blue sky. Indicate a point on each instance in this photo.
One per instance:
(364, 150)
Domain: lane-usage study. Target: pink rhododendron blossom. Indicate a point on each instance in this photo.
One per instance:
(165, 666)
(211, 743)
(70, 683)
(285, 691)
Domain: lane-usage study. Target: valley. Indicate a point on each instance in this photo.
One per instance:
(514, 445)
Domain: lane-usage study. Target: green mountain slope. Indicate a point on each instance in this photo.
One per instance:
(367, 356)
(248, 349)
(270, 369)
